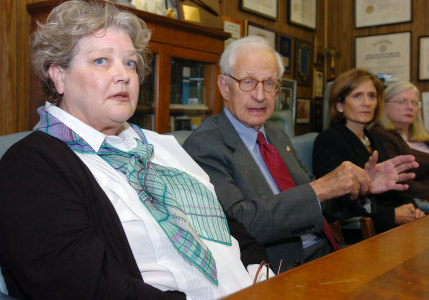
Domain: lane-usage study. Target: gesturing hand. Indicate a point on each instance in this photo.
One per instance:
(386, 175)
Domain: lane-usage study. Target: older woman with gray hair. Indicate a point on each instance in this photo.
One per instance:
(401, 131)
(93, 207)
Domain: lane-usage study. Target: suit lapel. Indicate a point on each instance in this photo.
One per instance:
(242, 156)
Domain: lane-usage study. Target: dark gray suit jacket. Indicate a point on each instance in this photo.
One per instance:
(277, 221)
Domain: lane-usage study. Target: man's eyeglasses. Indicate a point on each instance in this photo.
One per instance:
(248, 84)
(414, 103)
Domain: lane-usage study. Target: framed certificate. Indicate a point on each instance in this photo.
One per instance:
(386, 55)
(303, 13)
(381, 12)
(265, 8)
(265, 32)
(424, 58)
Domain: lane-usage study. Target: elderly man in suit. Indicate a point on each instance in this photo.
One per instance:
(278, 201)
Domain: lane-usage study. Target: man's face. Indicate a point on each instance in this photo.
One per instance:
(255, 107)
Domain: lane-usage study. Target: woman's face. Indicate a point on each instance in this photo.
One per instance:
(359, 106)
(403, 114)
(101, 85)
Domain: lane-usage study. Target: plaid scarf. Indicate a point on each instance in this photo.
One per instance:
(184, 208)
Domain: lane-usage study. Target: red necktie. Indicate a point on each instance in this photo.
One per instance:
(281, 176)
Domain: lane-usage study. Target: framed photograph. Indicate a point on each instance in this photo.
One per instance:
(423, 58)
(303, 62)
(318, 84)
(386, 55)
(286, 99)
(303, 13)
(381, 12)
(265, 32)
(232, 26)
(266, 8)
(302, 111)
(285, 49)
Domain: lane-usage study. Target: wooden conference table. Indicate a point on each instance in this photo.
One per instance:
(392, 265)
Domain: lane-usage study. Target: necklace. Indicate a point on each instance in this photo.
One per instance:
(365, 141)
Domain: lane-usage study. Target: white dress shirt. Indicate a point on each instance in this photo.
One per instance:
(158, 261)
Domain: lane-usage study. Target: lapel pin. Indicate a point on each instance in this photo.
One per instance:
(287, 148)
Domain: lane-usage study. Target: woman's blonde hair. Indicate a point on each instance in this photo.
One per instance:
(345, 83)
(55, 41)
(416, 131)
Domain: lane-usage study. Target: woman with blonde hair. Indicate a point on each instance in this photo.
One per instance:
(401, 131)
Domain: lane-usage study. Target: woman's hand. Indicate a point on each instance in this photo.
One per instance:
(407, 213)
(386, 175)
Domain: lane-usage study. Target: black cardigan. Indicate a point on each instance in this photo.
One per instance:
(60, 236)
(338, 144)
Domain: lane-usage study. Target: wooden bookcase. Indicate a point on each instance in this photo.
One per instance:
(173, 42)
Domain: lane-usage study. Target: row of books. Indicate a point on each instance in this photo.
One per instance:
(184, 122)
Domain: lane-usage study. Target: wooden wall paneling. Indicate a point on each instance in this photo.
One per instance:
(8, 33)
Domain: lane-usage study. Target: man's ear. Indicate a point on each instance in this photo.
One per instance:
(222, 83)
(57, 75)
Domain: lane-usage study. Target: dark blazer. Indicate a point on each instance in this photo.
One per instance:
(277, 221)
(338, 144)
(60, 236)
(395, 145)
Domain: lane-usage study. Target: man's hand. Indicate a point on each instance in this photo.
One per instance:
(386, 175)
(347, 178)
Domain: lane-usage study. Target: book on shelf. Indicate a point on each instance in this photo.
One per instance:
(185, 85)
(189, 106)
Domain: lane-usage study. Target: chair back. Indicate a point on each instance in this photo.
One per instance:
(5, 142)
(283, 120)
(303, 144)
(8, 140)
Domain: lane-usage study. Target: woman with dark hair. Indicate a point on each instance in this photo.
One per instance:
(356, 100)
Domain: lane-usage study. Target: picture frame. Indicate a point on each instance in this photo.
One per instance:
(302, 111)
(262, 31)
(303, 13)
(377, 13)
(386, 55)
(423, 58)
(284, 47)
(303, 62)
(286, 99)
(318, 83)
(267, 9)
(233, 27)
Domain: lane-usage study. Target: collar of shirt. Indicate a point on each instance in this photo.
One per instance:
(124, 141)
(248, 135)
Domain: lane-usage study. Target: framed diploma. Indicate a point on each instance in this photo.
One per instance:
(381, 12)
(424, 58)
(265, 32)
(303, 13)
(386, 55)
(266, 8)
